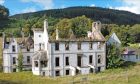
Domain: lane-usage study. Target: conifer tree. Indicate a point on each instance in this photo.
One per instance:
(20, 61)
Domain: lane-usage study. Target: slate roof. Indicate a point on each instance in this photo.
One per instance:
(131, 51)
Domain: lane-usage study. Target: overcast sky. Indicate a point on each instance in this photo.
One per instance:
(24, 6)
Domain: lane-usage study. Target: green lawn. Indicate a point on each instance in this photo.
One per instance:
(127, 75)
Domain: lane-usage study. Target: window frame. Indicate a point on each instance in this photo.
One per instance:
(57, 73)
(13, 48)
(67, 46)
(57, 61)
(66, 72)
(79, 45)
(90, 59)
(14, 60)
(36, 63)
(99, 59)
(57, 45)
(90, 45)
(67, 63)
(28, 59)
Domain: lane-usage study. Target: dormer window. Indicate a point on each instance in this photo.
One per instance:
(13, 48)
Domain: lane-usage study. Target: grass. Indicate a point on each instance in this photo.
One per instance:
(127, 75)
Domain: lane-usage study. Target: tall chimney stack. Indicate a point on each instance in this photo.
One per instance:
(96, 26)
(57, 34)
(45, 25)
(46, 36)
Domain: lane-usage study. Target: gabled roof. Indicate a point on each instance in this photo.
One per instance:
(114, 37)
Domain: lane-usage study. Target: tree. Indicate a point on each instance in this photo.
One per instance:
(64, 26)
(80, 26)
(20, 61)
(4, 12)
(113, 57)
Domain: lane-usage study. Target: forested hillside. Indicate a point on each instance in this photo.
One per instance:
(105, 15)
(78, 19)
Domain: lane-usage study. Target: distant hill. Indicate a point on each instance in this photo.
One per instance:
(105, 15)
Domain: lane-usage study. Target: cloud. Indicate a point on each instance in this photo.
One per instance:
(130, 5)
(92, 5)
(2, 2)
(46, 4)
(27, 10)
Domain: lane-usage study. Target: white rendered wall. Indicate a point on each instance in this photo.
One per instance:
(38, 38)
(72, 54)
(132, 58)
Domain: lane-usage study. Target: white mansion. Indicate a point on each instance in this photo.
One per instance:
(57, 57)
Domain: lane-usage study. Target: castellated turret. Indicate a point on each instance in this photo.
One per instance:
(96, 26)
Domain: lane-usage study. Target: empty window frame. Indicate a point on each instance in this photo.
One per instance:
(56, 46)
(43, 63)
(39, 46)
(99, 45)
(67, 46)
(14, 70)
(79, 60)
(90, 45)
(28, 48)
(36, 63)
(67, 72)
(67, 61)
(79, 45)
(28, 59)
(57, 73)
(57, 61)
(13, 48)
(99, 59)
(14, 60)
(90, 59)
